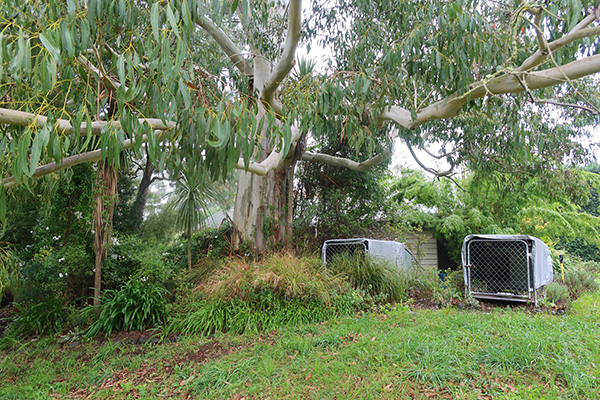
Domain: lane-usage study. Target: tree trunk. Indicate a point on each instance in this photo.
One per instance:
(104, 202)
(189, 249)
(141, 197)
(262, 212)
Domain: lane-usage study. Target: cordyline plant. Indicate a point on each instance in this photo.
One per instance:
(214, 83)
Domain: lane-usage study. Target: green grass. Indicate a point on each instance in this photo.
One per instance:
(404, 353)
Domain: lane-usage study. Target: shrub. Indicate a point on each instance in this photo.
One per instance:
(372, 276)
(65, 271)
(579, 282)
(209, 244)
(261, 310)
(136, 305)
(280, 290)
(44, 317)
(557, 293)
(131, 257)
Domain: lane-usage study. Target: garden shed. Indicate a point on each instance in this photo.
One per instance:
(394, 252)
(506, 267)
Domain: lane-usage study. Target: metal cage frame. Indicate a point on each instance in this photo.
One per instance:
(501, 269)
(393, 252)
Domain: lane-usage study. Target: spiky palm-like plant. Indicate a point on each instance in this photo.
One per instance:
(193, 196)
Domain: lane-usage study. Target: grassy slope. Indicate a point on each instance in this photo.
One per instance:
(402, 353)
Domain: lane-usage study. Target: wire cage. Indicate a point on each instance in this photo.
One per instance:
(386, 250)
(506, 267)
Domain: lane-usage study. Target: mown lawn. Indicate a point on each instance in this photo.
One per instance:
(400, 353)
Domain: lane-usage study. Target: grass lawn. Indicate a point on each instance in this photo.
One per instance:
(403, 353)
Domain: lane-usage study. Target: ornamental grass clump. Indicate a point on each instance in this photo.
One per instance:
(280, 290)
(136, 305)
(378, 278)
(47, 316)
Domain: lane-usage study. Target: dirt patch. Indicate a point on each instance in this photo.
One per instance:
(424, 300)
(126, 381)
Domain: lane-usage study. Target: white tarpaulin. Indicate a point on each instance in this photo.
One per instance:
(543, 272)
(387, 250)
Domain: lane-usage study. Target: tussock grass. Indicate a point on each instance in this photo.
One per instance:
(280, 290)
(284, 274)
(376, 277)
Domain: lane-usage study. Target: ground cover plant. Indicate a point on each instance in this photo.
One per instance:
(277, 291)
(404, 352)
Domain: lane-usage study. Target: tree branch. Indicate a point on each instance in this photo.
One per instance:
(101, 74)
(437, 173)
(287, 61)
(71, 161)
(508, 83)
(345, 162)
(440, 156)
(541, 55)
(21, 118)
(273, 161)
(234, 54)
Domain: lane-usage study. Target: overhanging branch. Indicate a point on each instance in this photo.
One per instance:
(435, 172)
(71, 161)
(345, 162)
(508, 83)
(63, 126)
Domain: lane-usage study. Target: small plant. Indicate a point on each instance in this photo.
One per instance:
(472, 302)
(371, 276)
(444, 295)
(579, 282)
(43, 317)
(137, 304)
(557, 293)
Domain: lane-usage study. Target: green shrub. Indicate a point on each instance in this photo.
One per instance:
(279, 290)
(209, 243)
(579, 282)
(557, 293)
(135, 306)
(44, 317)
(65, 271)
(372, 276)
(262, 310)
(131, 257)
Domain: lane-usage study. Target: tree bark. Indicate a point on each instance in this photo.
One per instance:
(104, 202)
(141, 197)
(262, 208)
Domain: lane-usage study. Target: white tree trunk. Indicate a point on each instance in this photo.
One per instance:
(262, 208)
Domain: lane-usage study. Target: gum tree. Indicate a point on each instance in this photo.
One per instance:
(85, 80)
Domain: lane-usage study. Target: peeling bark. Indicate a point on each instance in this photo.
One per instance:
(104, 202)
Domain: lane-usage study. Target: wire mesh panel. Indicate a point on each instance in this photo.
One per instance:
(499, 267)
(334, 249)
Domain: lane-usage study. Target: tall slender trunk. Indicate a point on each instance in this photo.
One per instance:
(189, 249)
(141, 197)
(104, 202)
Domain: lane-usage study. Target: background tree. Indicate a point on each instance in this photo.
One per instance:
(131, 72)
(498, 203)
